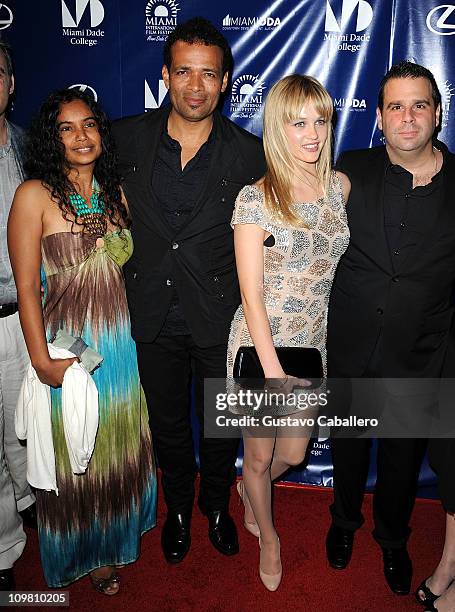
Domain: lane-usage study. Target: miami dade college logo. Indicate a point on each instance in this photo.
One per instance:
(320, 447)
(364, 15)
(246, 96)
(85, 88)
(6, 17)
(441, 20)
(335, 30)
(96, 13)
(160, 19)
(150, 100)
(71, 24)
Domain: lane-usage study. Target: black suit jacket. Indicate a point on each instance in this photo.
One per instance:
(198, 260)
(408, 305)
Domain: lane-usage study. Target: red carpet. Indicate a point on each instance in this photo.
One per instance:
(208, 581)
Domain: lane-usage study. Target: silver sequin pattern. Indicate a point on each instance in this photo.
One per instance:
(298, 269)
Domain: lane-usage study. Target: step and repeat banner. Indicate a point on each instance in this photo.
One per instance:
(113, 48)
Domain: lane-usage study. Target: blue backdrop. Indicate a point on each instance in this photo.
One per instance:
(114, 48)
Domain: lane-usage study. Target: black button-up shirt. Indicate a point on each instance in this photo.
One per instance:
(177, 191)
(408, 212)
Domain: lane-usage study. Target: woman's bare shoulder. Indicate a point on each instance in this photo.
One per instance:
(31, 197)
(32, 188)
(345, 184)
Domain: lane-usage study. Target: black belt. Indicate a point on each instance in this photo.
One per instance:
(8, 309)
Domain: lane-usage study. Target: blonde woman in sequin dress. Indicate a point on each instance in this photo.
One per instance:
(290, 230)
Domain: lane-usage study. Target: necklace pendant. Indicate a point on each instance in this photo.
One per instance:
(93, 217)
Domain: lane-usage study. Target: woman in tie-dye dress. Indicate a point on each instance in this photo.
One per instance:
(70, 223)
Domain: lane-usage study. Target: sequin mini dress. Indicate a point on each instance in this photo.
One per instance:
(298, 269)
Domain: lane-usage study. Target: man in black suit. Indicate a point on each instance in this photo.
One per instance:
(183, 166)
(390, 311)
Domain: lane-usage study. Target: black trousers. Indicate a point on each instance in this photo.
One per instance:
(441, 454)
(166, 368)
(398, 466)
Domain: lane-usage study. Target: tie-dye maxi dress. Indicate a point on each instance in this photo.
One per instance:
(98, 518)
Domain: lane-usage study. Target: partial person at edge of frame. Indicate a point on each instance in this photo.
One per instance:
(16, 497)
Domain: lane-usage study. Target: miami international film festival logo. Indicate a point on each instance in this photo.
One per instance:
(441, 20)
(335, 30)
(238, 23)
(160, 19)
(84, 12)
(246, 96)
(6, 17)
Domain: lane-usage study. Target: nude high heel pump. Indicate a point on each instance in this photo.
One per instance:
(253, 528)
(270, 581)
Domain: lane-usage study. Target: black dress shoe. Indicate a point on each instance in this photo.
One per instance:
(222, 531)
(7, 582)
(176, 537)
(338, 545)
(29, 517)
(397, 569)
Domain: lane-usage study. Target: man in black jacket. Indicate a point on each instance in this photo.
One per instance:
(183, 166)
(390, 311)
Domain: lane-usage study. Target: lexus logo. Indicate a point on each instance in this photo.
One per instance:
(6, 16)
(438, 20)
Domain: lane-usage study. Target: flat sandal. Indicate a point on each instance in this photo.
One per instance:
(102, 585)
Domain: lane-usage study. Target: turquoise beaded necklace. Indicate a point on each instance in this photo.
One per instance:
(93, 217)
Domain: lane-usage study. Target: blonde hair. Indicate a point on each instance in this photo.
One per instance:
(283, 105)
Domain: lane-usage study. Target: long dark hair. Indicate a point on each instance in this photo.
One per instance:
(46, 159)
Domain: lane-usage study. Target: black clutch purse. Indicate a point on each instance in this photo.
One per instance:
(301, 362)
